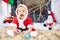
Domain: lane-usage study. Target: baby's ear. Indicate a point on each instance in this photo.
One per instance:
(17, 11)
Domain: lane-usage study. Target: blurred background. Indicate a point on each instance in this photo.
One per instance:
(38, 9)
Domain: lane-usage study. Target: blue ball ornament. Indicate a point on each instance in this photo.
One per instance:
(27, 36)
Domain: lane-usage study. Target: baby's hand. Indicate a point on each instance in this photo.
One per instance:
(16, 31)
(10, 33)
(29, 30)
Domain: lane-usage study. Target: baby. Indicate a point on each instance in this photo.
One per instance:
(22, 22)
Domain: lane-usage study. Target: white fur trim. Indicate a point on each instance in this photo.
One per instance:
(13, 25)
(49, 20)
(34, 34)
(24, 7)
(45, 22)
(30, 26)
(10, 33)
(21, 25)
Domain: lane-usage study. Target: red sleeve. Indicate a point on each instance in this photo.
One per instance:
(15, 21)
(28, 21)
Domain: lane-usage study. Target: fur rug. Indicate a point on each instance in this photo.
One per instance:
(42, 35)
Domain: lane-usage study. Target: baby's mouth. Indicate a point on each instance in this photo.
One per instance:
(21, 15)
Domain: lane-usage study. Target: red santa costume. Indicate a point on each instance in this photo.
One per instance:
(51, 19)
(24, 23)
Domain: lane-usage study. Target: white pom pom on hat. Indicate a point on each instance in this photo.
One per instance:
(49, 12)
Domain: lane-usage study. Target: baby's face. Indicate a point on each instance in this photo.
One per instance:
(22, 12)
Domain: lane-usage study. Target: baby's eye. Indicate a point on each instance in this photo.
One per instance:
(19, 11)
(23, 10)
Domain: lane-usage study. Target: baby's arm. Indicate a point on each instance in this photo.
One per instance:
(30, 28)
(30, 25)
(15, 24)
(15, 30)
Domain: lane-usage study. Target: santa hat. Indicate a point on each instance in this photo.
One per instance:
(22, 20)
(22, 5)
